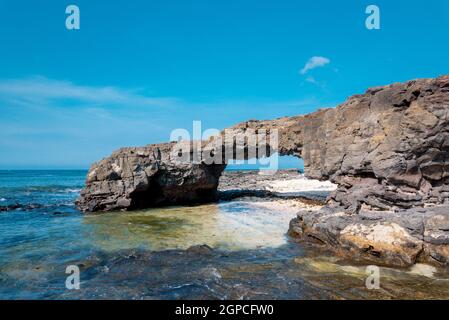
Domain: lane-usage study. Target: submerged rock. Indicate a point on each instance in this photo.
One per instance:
(21, 207)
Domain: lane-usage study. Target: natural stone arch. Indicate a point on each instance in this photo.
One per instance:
(386, 148)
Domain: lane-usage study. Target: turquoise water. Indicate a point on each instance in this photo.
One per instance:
(229, 250)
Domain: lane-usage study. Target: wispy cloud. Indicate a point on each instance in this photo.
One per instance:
(41, 89)
(42, 92)
(314, 62)
(47, 121)
(311, 79)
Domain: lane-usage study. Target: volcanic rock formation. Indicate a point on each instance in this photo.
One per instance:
(136, 178)
(386, 149)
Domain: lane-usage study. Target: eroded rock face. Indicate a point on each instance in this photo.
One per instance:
(388, 152)
(136, 178)
(387, 148)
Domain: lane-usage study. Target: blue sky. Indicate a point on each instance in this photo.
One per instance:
(136, 70)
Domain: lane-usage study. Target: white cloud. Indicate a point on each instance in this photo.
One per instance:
(43, 93)
(311, 79)
(40, 89)
(314, 62)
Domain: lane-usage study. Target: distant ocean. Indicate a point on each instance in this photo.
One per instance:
(53, 188)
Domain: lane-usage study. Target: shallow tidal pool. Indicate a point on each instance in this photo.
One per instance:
(236, 225)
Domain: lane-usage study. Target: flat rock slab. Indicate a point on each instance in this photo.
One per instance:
(400, 238)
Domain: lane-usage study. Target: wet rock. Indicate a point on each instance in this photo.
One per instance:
(388, 241)
(19, 206)
(10, 207)
(200, 249)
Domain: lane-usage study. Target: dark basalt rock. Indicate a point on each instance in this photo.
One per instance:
(387, 148)
(21, 207)
(387, 151)
(136, 178)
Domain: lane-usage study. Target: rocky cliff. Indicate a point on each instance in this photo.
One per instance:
(386, 149)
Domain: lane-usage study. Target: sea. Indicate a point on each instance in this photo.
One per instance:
(227, 250)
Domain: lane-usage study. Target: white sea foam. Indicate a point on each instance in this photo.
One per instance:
(2, 199)
(423, 270)
(300, 184)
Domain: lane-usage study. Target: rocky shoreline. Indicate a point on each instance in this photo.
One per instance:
(387, 150)
(280, 184)
(389, 238)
